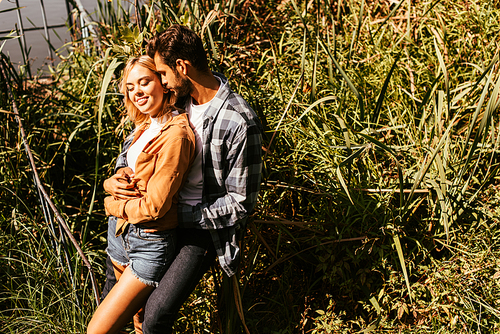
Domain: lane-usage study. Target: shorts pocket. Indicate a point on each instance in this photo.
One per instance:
(153, 236)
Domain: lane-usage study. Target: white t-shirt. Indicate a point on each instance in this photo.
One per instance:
(192, 190)
(136, 148)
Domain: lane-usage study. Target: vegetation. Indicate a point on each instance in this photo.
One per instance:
(379, 203)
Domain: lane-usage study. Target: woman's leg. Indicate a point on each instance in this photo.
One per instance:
(139, 316)
(124, 300)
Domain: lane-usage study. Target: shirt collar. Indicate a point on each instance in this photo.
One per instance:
(221, 96)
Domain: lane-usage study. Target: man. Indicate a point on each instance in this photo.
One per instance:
(222, 186)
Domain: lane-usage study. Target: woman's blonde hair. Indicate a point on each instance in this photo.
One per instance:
(133, 113)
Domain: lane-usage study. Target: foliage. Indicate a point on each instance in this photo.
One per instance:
(378, 207)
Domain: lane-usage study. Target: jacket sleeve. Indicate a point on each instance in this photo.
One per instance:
(171, 164)
(242, 182)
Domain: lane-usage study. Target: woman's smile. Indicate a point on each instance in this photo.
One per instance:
(141, 100)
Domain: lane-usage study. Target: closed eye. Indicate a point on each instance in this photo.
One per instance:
(145, 82)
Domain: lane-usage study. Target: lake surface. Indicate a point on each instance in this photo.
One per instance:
(31, 14)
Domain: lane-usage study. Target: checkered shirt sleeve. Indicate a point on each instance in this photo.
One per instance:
(121, 161)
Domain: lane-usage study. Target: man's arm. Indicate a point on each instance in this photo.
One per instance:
(121, 161)
(241, 183)
(226, 217)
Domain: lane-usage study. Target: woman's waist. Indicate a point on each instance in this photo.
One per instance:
(166, 222)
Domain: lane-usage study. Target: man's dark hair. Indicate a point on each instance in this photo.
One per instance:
(178, 42)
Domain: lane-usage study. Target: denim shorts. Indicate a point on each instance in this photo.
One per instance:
(148, 254)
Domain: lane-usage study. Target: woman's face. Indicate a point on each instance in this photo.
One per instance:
(145, 91)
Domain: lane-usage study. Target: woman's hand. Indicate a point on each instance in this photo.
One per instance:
(121, 185)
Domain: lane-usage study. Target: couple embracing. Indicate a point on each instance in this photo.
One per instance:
(185, 183)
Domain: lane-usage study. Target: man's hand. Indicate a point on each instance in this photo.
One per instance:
(121, 185)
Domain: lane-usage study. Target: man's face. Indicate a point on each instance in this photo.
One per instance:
(172, 79)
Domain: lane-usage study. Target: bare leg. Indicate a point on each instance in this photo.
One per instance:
(122, 302)
(139, 316)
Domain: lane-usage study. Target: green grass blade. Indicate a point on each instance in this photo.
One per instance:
(442, 66)
(345, 131)
(353, 156)
(340, 177)
(444, 212)
(490, 108)
(397, 244)
(102, 97)
(312, 106)
(355, 34)
(383, 91)
(314, 72)
(10, 9)
(348, 81)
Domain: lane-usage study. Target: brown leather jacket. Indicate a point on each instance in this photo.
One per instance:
(160, 171)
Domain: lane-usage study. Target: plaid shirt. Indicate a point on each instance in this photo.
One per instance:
(231, 167)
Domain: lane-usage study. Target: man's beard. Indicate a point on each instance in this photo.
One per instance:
(183, 88)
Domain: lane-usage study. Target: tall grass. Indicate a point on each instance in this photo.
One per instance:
(384, 142)
(378, 208)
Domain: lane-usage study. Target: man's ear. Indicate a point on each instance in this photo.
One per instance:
(183, 66)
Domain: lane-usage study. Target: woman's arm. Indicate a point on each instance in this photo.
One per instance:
(170, 166)
(120, 185)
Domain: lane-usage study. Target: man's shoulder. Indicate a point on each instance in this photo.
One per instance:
(237, 102)
(237, 105)
(232, 100)
(234, 109)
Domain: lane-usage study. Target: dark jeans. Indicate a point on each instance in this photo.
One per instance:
(196, 253)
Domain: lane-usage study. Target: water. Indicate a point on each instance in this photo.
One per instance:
(56, 13)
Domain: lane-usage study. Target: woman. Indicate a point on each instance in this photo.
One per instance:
(160, 156)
